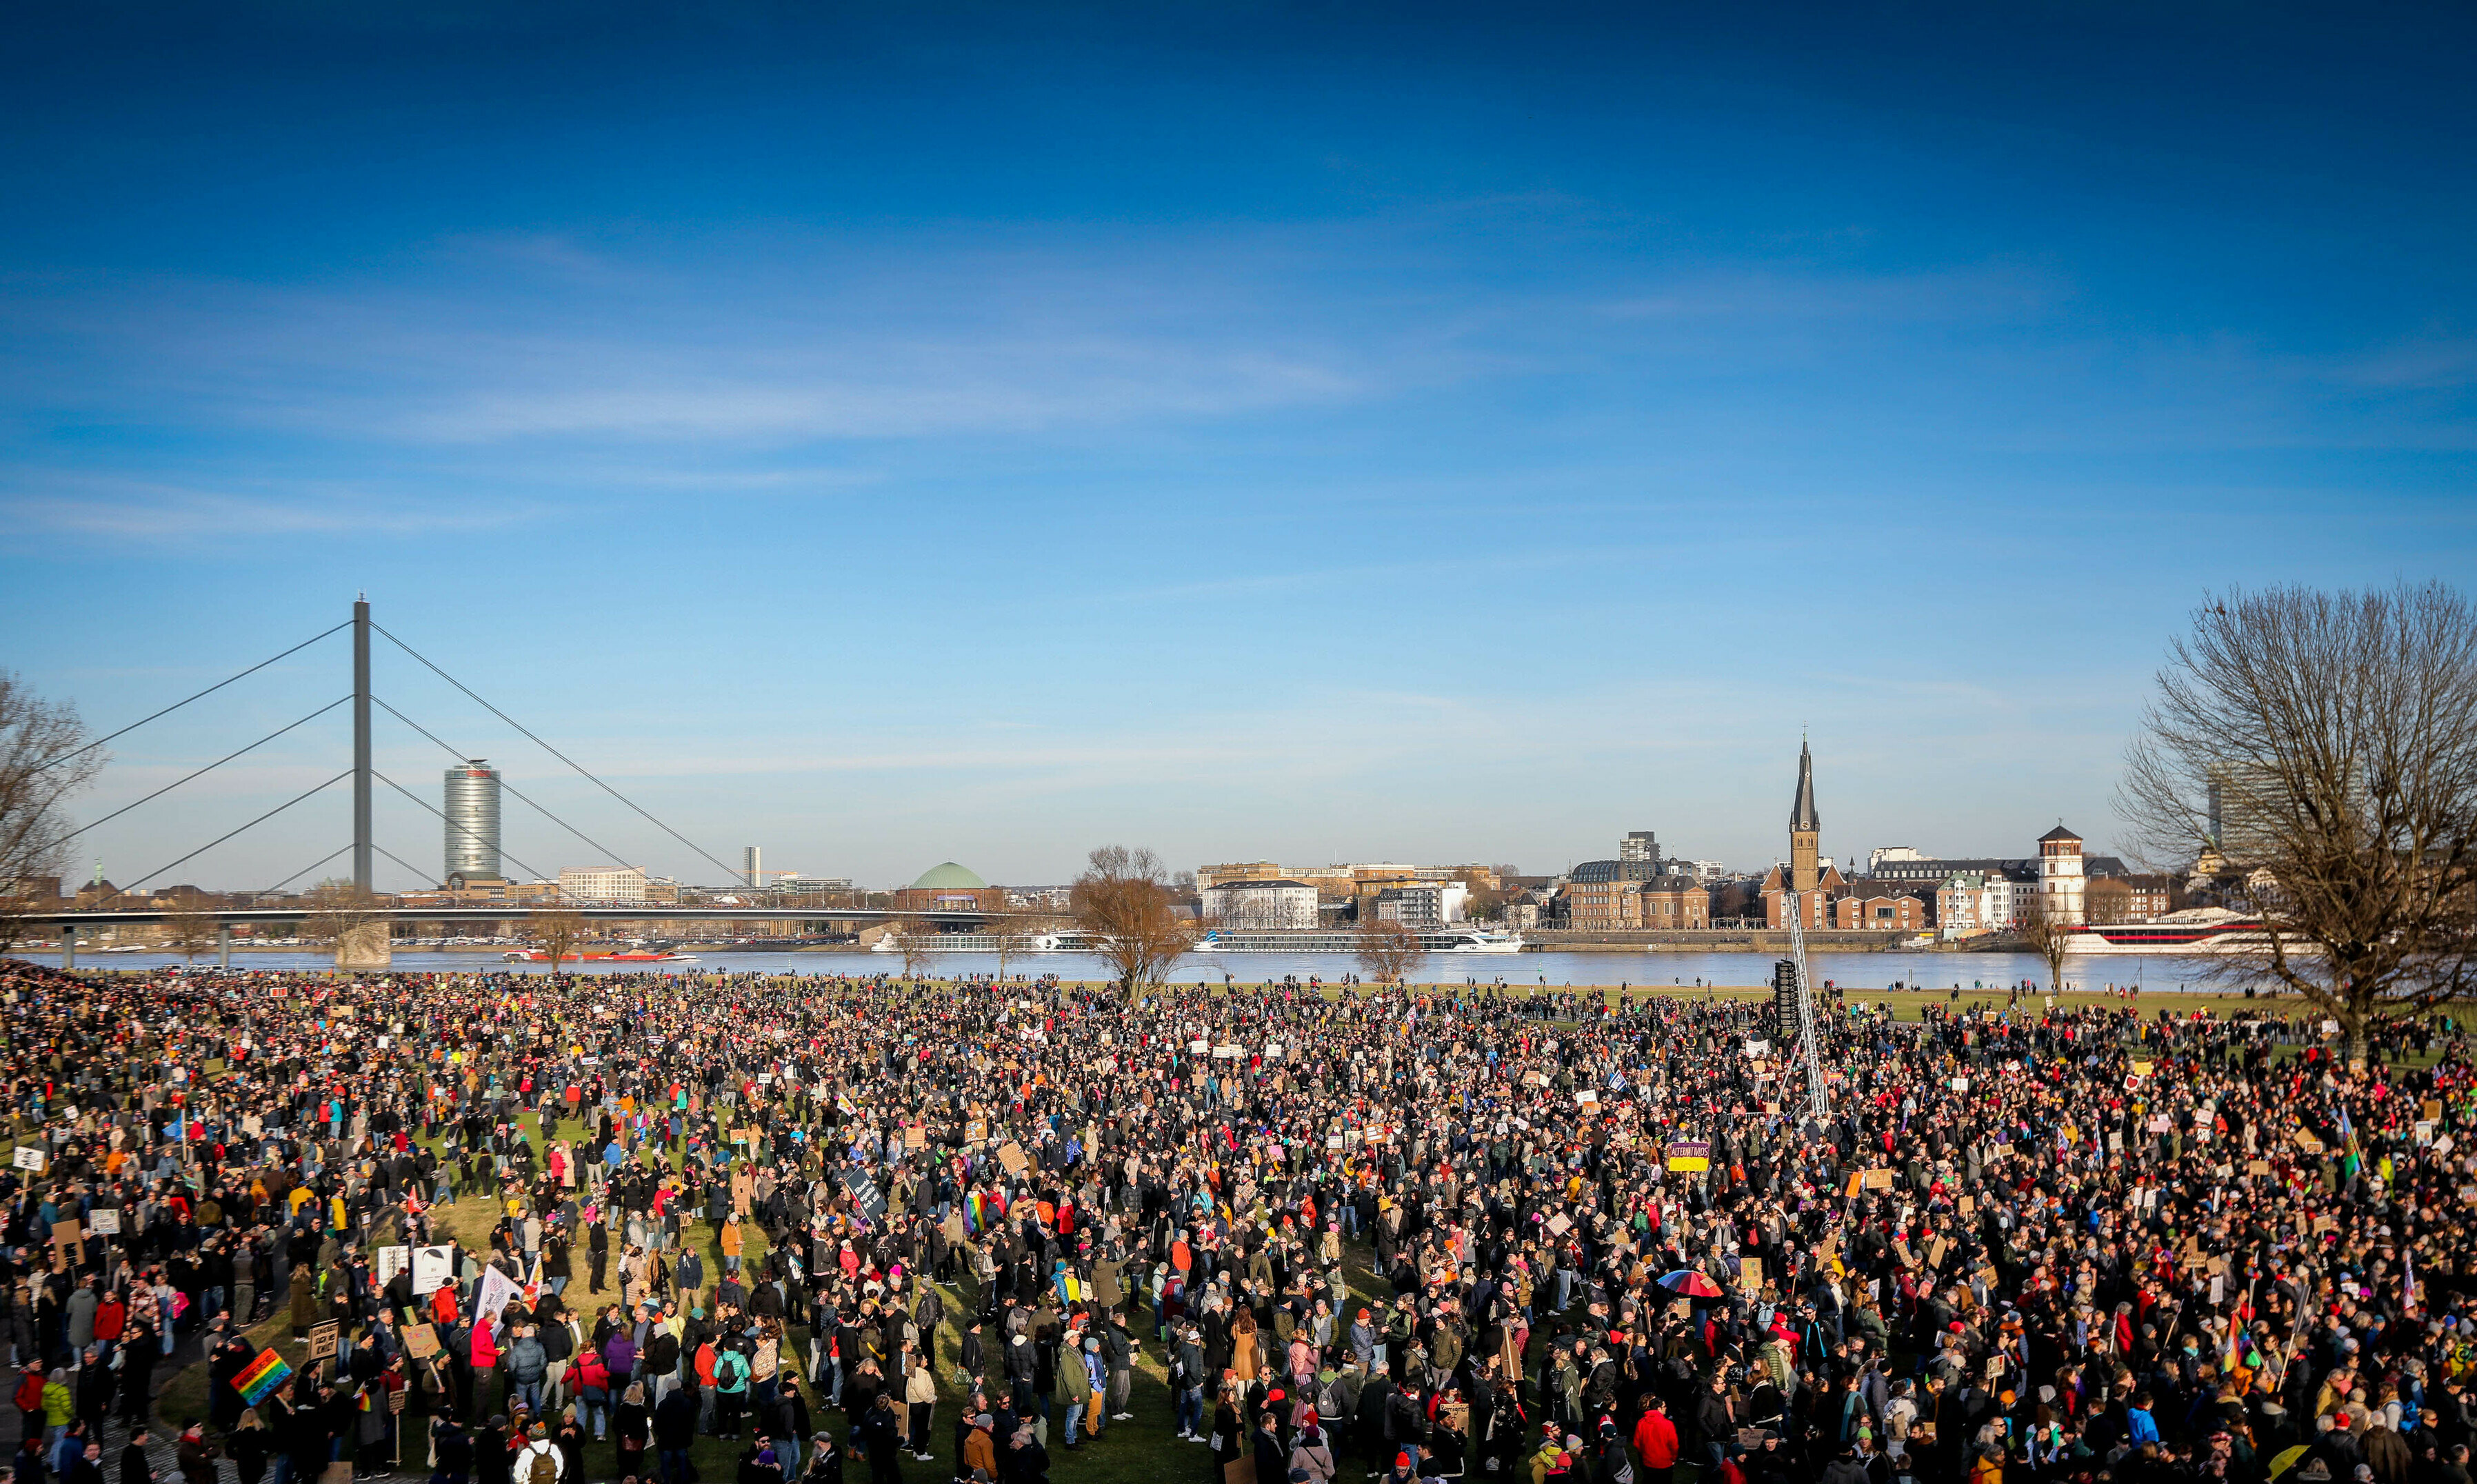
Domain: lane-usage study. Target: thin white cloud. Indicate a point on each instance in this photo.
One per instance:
(144, 510)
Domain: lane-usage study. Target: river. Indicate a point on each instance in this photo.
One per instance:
(1557, 970)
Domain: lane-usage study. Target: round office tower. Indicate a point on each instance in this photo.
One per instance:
(472, 822)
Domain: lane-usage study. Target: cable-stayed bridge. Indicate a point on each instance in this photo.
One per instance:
(370, 950)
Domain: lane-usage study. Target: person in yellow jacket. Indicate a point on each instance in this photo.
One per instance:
(1554, 1459)
(57, 1404)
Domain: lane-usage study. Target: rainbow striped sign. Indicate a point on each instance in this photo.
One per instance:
(262, 1376)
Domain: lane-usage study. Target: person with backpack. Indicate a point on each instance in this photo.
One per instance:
(730, 1388)
(1612, 1465)
(539, 1461)
(1310, 1452)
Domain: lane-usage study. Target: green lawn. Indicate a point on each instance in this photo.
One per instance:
(1126, 1452)
(1129, 1451)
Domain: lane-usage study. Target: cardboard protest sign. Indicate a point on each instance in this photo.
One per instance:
(323, 1339)
(421, 1340)
(865, 1194)
(1011, 1155)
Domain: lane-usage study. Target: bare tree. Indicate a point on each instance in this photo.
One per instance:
(1013, 935)
(1125, 900)
(2326, 743)
(2046, 935)
(558, 932)
(916, 938)
(1387, 951)
(337, 909)
(193, 930)
(44, 761)
(1487, 893)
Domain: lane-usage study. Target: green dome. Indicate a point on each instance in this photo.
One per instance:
(948, 876)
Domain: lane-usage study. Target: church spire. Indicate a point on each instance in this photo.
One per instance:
(1801, 814)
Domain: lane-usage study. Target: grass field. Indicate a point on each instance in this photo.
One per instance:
(1128, 1451)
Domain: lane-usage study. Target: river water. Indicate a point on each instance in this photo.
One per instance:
(1556, 970)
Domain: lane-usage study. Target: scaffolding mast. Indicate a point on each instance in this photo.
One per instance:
(1808, 1047)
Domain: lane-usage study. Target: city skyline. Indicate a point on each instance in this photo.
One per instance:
(1262, 434)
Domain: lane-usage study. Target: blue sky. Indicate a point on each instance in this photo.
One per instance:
(1311, 432)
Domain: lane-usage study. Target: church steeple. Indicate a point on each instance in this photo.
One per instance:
(1805, 869)
(1801, 814)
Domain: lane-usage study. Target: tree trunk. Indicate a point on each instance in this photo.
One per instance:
(2352, 1033)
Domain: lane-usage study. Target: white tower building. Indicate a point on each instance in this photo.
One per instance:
(2061, 883)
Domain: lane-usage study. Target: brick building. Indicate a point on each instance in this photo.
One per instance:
(1660, 902)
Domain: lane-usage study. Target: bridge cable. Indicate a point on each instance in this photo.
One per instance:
(208, 768)
(727, 872)
(400, 861)
(122, 892)
(450, 824)
(613, 856)
(208, 691)
(298, 874)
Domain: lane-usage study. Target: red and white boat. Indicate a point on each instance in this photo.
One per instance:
(624, 956)
(2195, 930)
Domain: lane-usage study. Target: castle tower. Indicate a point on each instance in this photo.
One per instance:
(1804, 873)
(2061, 882)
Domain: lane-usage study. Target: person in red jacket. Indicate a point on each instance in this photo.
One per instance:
(1655, 1443)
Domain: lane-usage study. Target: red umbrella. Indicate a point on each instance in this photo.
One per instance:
(1692, 1284)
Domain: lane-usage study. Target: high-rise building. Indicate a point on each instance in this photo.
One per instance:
(752, 864)
(472, 823)
(1639, 846)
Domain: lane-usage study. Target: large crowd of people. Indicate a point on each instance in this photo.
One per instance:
(525, 1230)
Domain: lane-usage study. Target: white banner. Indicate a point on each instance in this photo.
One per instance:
(498, 1290)
(390, 1261)
(433, 1269)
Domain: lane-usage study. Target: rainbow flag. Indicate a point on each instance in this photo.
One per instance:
(261, 1377)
